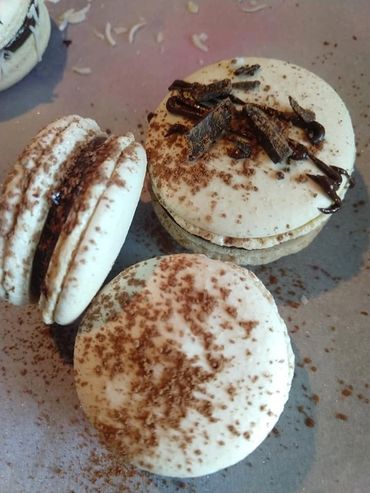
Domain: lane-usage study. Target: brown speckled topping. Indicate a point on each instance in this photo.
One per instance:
(163, 371)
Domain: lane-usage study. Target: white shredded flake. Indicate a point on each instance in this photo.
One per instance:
(72, 16)
(108, 34)
(253, 6)
(193, 7)
(98, 34)
(120, 30)
(199, 41)
(82, 70)
(304, 300)
(160, 37)
(134, 30)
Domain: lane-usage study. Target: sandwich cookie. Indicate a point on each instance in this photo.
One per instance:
(183, 364)
(65, 210)
(248, 159)
(24, 36)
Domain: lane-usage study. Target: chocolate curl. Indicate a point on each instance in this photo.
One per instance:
(247, 69)
(330, 187)
(267, 133)
(210, 129)
(306, 120)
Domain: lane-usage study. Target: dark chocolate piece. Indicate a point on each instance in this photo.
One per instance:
(330, 187)
(150, 116)
(203, 92)
(180, 85)
(267, 133)
(306, 115)
(300, 152)
(210, 129)
(247, 69)
(306, 120)
(179, 105)
(176, 128)
(246, 85)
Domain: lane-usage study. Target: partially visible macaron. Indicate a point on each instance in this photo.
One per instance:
(65, 210)
(183, 364)
(24, 35)
(248, 159)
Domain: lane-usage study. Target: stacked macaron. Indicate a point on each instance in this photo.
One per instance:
(65, 210)
(24, 36)
(248, 158)
(183, 364)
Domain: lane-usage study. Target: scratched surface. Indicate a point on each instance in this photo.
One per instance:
(321, 443)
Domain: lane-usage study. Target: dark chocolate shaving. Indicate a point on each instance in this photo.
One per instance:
(330, 187)
(246, 85)
(150, 116)
(247, 69)
(210, 129)
(180, 85)
(268, 134)
(181, 106)
(300, 152)
(236, 100)
(176, 128)
(306, 115)
(306, 120)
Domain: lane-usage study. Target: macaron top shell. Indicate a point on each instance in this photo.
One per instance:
(183, 364)
(245, 198)
(12, 15)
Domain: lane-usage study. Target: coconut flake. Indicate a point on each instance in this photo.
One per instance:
(199, 41)
(134, 29)
(108, 34)
(99, 35)
(193, 7)
(72, 16)
(253, 7)
(120, 30)
(160, 37)
(82, 70)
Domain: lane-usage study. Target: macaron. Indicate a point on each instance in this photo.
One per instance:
(65, 209)
(249, 158)
(183, 364)
(24, 36)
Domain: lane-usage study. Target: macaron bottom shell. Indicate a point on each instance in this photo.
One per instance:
(240, 256)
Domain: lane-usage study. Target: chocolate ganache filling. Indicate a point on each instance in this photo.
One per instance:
(217, 113)
(25, 30)
(79, 175)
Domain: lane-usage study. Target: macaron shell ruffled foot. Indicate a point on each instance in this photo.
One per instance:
(24, 35)
(183, 364)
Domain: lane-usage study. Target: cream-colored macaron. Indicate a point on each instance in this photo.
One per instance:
(24, 35)
(183, 364)
(229, 175)
(65, 210)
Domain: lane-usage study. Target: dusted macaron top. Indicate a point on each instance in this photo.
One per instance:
(183, 364)
(210, 185)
